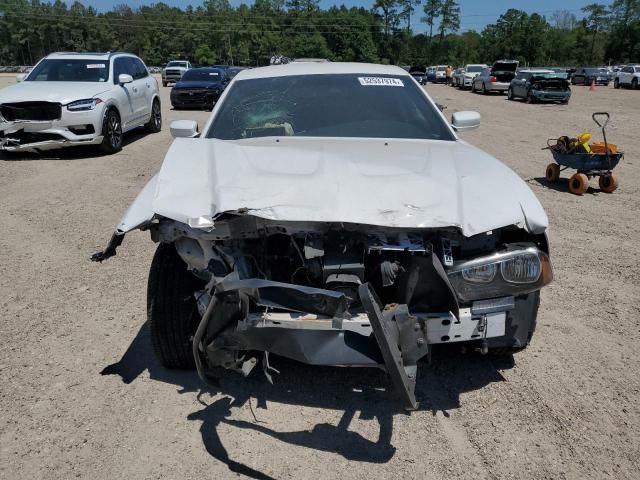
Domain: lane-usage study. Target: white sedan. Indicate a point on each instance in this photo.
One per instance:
(329, 213)
(73, 99)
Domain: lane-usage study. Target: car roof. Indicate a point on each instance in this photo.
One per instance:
(320, 68)
(87, 55)
(537, 70)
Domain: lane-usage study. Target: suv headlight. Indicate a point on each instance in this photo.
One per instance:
(83, 105)
(519, 269)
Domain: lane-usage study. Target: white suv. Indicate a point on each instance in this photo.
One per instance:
(71, 99)
(628, 76)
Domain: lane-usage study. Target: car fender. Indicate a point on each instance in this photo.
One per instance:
(139, 212)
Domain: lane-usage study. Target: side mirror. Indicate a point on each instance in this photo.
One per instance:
(21, 77)
(462, 121)
(124, 78)
(184, 129)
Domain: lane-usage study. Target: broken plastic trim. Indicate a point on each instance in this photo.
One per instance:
(114, 242)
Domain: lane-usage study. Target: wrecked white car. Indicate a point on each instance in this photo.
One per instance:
(328, 213)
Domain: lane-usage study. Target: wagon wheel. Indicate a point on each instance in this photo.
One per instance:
(553, 172)
(578, 184)
(608, 183)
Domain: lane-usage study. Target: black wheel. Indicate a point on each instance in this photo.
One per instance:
(112, 132)
(164, 84)
(154, 125)
(171, 308)
(616, 83)
(634, 83)
(531, 98)
(509, 94)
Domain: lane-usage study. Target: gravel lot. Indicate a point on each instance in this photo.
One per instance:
(82, 396)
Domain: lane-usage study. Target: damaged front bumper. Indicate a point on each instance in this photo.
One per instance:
(314, 326)
(75, 129)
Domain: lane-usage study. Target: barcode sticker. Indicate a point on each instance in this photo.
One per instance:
(96, 65)
(380, 82)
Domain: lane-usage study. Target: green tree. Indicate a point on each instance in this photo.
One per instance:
(432, 9)
(595, 21)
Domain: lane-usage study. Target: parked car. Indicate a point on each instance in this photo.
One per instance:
(174, 70)
(495, 79)
(329, 213)
(419, 73)
(471, 71)
(431, 74)
(231, 72)
(628, 76)
(199, 88)
(441, 73)
(587, 75)
(458, 77)
(73, 99)
(539, 86)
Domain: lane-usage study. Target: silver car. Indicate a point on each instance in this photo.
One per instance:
(496, 78)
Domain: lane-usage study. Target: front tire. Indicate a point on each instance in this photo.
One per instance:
(172, 311)
(509, 94)
(154, 125)
(112, 132)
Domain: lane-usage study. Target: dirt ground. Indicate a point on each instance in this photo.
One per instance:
(81, 394)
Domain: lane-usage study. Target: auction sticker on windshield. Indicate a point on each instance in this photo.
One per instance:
(380, 81)
(96, 65)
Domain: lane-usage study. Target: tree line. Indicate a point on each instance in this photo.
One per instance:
(216, 32)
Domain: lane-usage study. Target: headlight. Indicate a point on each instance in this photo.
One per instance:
(519, 269)
(84, 105)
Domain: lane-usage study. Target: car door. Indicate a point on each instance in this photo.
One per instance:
(518, 84)
(578, 77)
(145, 88)
(625, 76)
(123, 93)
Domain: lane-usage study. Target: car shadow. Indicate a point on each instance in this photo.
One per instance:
(350, 390)
(80, 152)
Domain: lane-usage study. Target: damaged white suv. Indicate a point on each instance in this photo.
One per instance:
(71, 99)
(328, 213)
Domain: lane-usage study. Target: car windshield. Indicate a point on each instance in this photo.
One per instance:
(475, 68)
(177, 64)
(203, 75)
(330, 105)
(591, 70)
(73, 70)
(441, 69)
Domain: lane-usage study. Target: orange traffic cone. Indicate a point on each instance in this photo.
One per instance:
(592, 88)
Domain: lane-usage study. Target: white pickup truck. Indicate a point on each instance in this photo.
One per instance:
(174, 70)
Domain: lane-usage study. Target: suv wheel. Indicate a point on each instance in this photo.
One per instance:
(112, 132)
(154, 125)
(172, 311)
(164, 84)
(509, 94)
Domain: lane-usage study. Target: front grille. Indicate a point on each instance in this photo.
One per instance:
(39, 111)
(173, 72)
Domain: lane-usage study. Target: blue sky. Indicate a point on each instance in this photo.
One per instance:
(475, 14)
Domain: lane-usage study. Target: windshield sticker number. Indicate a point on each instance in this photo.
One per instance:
(213, 74)
(380, 82)
(96, 65)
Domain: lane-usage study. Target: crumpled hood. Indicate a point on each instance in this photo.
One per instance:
(58, 92)
(391, 183)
